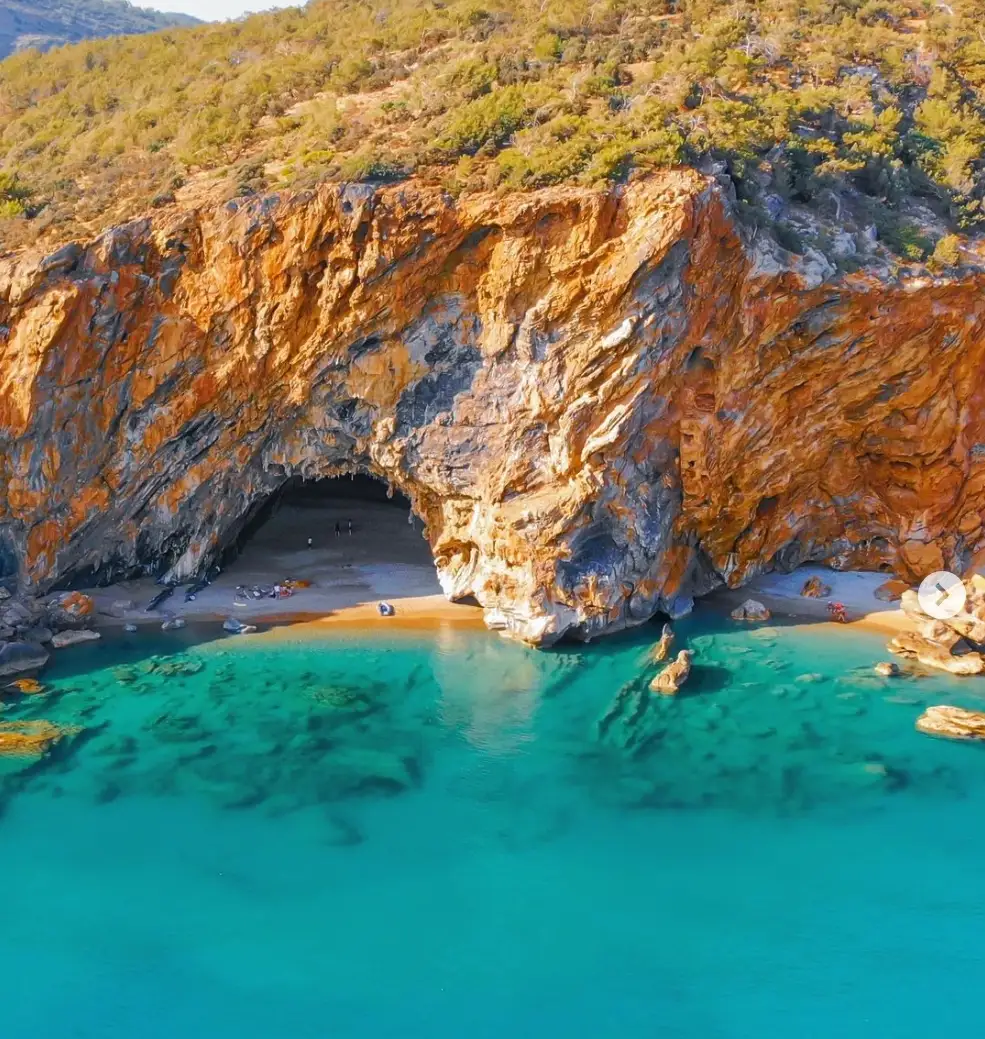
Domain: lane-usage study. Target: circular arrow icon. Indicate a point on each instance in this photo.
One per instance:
(942, 595)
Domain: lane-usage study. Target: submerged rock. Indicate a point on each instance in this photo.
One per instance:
(353, 770)
(953, 723)
(173, 624)
(751, 610)
(673, 676)
(30, 738)
(887, 669)
(73, 638)
(342, 833)
(28, 686)
(17, 657)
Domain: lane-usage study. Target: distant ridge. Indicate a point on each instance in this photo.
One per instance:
(49, 23)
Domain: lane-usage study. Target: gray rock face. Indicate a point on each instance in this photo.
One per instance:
(16, 658)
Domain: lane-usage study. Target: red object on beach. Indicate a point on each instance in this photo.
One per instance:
(838, 612)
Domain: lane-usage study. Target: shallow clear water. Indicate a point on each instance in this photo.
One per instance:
(450, 835)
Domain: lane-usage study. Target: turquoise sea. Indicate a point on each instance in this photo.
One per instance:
(447, 835)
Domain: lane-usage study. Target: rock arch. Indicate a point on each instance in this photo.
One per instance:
(586, 411)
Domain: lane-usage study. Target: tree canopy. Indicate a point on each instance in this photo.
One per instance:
(819, 103)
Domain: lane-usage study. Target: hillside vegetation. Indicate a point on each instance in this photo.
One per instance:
(869, 110)
(49, 23)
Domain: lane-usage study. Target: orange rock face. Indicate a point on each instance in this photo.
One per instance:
(600, 403)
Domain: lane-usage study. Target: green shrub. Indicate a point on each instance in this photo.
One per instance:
(947, 252)
(847, 99)
(13, 195)
(492, 119)
(368, 164)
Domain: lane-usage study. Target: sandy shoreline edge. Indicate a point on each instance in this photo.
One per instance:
(313, 612)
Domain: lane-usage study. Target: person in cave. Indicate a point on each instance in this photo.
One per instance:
(338, 529)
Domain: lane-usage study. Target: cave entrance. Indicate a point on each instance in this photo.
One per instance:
(303, 531)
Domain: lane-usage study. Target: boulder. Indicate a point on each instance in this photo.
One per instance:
(932, 654)
(673, 676)
(953, 723)
(891, 591)
(910, 605)
(27, 686)
(70, 610)
(122, 606)
(815, 588)
(751, 610)
(661, 650)
(173, 624)
(887, 669)
(968, 626)
(72, 637)
(236, 627)
(939, 632)
(17, 614)
(38, 634)
(18, 657)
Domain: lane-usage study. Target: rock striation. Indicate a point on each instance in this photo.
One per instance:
(601, 403)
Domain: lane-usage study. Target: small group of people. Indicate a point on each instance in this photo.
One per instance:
(338, 532)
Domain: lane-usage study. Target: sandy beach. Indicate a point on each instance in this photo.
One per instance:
(781, 593)
(384, 558)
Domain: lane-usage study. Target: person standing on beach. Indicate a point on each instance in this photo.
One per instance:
(350, 528)
(338, 529)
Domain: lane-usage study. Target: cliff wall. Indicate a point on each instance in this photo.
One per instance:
(600, 403)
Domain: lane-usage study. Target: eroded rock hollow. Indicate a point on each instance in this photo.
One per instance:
(601, 403)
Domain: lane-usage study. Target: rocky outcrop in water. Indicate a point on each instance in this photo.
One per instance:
(602, 404)
(953, 723)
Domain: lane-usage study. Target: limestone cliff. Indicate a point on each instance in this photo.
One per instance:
(601, 403)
